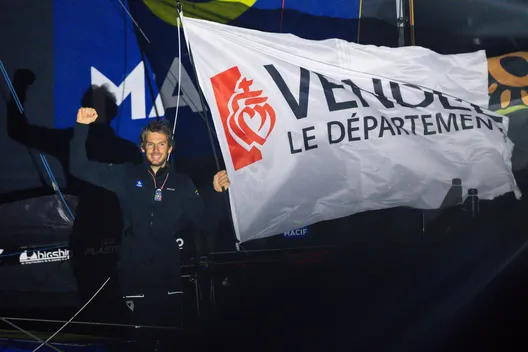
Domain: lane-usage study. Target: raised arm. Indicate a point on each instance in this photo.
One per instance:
(108, 176)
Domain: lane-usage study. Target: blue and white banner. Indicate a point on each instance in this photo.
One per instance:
(95, 43)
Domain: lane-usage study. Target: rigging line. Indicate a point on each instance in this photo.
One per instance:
(29, 334)
(226, 198)
(281, 17)
(197, 108)
(179, 75)
(143, 60)
(57, 190)
(54, 321)
(285, 249)
(202, 114)
(81, 309)
(30, 154)
(411, 22)
(19, 105)
(108, 279)
(204, 117)
(149, 83)
(56, 187)
(133, 20)
(143, 56)
(54, 183)
(10, 86)
(190, 102)
(125, 66)
(182, 89)
(125, 61)
(73, 317)
(211, 139)
(359, 20)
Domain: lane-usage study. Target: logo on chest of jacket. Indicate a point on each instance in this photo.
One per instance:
(139, 183)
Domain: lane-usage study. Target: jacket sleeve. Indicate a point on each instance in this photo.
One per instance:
(203, 216)
(109, 176)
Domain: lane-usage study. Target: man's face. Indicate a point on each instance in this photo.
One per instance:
(156, 148)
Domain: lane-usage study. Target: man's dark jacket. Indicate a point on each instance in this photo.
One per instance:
(149, 255)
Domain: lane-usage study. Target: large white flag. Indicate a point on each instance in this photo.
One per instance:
(317, 130)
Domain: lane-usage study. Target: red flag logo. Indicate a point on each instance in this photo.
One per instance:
(247, 118)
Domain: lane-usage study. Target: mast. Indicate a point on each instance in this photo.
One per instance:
(405, 22)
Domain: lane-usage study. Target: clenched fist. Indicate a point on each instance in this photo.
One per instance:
(86, 116)
(221, 181)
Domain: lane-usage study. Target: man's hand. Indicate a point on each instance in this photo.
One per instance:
(86, 116)
(221, 181)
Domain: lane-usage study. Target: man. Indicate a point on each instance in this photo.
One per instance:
(156, 203)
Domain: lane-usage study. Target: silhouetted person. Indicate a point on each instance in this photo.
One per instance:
(98, 220)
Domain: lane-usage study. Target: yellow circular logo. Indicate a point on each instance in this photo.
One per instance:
(222, 11)
(508, 89)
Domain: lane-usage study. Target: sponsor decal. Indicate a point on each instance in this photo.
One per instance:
(36, 257)
(302, 232)
(107, 246)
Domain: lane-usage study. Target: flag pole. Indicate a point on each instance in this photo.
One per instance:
(359, 21)
(209, 128)
(411, 22)
(401, 21)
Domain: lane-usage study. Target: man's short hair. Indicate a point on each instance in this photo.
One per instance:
(159, 126)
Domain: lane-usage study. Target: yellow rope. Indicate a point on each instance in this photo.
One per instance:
(359, 18)
(411, 21)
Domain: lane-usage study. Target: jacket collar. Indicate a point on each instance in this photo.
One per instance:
(161, 171)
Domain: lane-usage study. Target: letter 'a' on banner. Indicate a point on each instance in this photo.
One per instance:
(317, 130)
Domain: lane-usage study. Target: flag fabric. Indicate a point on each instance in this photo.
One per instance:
(172, 69)
(317, 130)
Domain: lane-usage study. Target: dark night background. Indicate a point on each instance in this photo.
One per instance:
(391, 280)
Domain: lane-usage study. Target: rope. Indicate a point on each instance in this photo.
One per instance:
(411, 22)
(209, 128)
(47, 167)
(133, 20)
(94, 323)
(73, 317)
(29, 334)
(281, 16)
(179, 77)
(359, 19)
